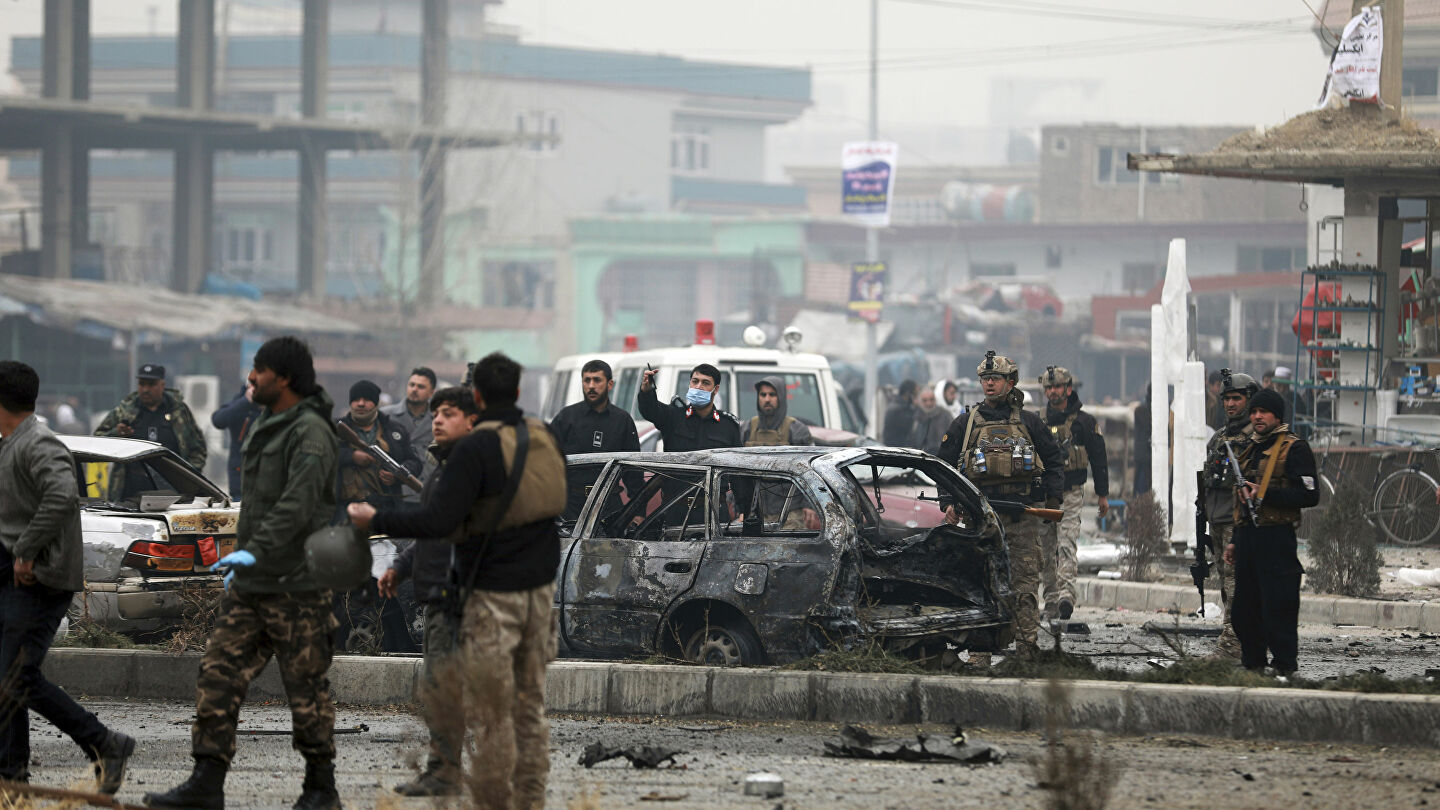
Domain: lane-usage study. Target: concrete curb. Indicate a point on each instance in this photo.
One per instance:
(581, 687)
(1314, 609)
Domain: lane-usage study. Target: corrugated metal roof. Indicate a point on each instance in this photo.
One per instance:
(95, 306)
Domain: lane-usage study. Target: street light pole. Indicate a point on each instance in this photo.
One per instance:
(872, 235)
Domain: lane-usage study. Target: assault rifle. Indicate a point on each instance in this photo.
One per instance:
(386, 462)
(1013, 507)
(1251, 508)
(1200, 569)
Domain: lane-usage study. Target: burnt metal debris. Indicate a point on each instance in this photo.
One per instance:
(640, 756)
(768, 555)
(857, 743)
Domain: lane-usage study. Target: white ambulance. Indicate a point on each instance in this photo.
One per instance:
(811, 390)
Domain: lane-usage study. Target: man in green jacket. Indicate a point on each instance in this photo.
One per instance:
(158, 414)
(272, 603)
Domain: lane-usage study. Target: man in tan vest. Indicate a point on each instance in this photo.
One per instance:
(504, 571)
(773, 426)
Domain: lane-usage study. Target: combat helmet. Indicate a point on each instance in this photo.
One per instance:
(338, 558)
(1238, 382)
(997, 364)
(1056, 375)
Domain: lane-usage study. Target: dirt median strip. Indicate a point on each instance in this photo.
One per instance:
(1314, 608)
(582, 687)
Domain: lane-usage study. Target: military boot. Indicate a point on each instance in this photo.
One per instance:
(204, 790)
(110, 759)
(429, 783)
(318, 792)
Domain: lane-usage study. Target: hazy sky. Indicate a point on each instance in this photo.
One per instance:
(1155, 61)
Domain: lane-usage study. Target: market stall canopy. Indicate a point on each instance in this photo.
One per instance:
(101, 309)
(1322, 146)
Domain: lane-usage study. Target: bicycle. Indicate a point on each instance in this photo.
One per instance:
(1404, 508)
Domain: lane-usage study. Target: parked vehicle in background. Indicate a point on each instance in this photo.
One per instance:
(753, 555)
(152, 526)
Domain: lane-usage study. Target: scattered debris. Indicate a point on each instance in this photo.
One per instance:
(285, 732)
(857, 743)
(1342, 758)
(703, 728)
(1418, 577)
(643, 756)
(1160, 663)
(1199, 630)
(768, 785)
(656, 796)
(1068, 628)
(69, 797)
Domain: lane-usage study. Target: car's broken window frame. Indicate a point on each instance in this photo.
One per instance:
(797, 487)
(613, 476)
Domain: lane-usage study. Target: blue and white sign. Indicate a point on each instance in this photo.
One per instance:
(867, 179)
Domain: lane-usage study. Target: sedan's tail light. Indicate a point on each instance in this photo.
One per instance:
(146, 556)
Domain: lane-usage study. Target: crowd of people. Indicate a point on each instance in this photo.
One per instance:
(481, 488)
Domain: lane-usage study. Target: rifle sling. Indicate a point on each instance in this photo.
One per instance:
(507, 495)
(1275, 454)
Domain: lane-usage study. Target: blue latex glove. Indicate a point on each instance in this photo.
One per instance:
(231, 561)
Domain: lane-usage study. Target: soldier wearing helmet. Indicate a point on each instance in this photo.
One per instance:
(1009, 454)
(1235, 393)
(1079, 437)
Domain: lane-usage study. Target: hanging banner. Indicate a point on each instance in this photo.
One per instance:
(1355, 66)
(867, 177)
(867, 290)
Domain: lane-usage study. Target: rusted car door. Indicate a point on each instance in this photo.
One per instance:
(633, 556)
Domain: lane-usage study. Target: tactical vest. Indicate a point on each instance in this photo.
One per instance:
(1007, 451)
(1076, 456)
(542, 485)
(1266, 468)
(1217, 467)
(769, 438)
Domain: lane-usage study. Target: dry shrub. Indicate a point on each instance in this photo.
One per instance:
(1145, 531)
(1076, 771)
(85, 631)
(1344, 558)
(198, 605)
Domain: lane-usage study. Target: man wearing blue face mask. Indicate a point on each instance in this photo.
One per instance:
(696, 425)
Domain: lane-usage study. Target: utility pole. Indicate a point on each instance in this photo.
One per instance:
(872, 235)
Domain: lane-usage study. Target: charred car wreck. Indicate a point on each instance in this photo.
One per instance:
(766, 555)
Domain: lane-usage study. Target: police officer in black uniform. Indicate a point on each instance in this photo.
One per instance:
(1279, 471)
(594, 425)
(696, 425)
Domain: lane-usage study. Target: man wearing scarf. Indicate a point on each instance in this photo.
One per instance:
(1279, 470)
(772, 425)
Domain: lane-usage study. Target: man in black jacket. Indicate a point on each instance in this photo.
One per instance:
(235, 417)
(428, 565)
(592, 426)
(1279, 471)
(1079, 438)
(506, 566)
(696, 425)
(359, 479)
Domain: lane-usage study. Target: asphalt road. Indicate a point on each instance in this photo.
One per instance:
(1118, 640)
(1155, 772)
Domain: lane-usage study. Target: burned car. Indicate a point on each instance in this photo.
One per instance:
(754, 555)
(152, 526)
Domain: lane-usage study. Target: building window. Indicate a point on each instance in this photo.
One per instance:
(1060, 145)
(690, 149)
(991, 270)
(1054, 257)
(544, 123)
(519, 284)
(1251, 259)
(245, 248)
(1420, 82)
(1138, 277)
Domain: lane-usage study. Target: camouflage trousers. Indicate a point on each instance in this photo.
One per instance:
(298, 629)
(446, 721)
(1060, 539)
(1025, 539)
(507, 638)
(1220, 534)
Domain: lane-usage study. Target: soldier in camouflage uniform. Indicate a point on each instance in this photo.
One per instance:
(273, 604)
(158, 414)
(1009, 453)
(1235, 396)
